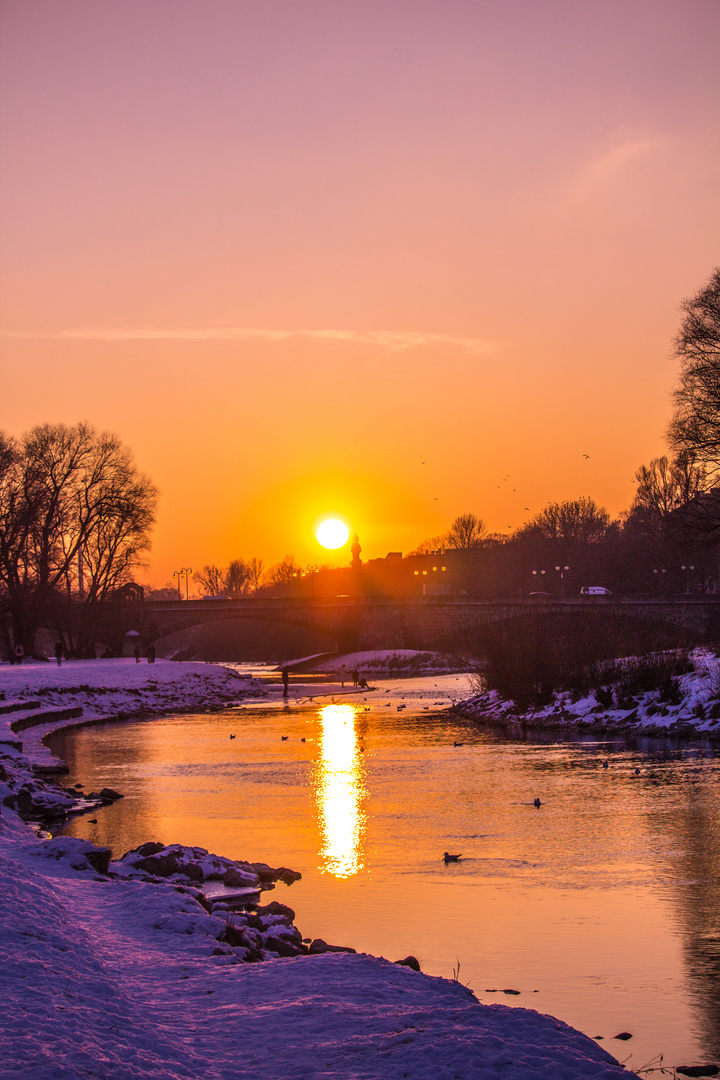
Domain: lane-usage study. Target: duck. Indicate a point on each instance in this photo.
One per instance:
(283, 738)
(232, 736)
(536, 802)
(458, 744)
(450, 858)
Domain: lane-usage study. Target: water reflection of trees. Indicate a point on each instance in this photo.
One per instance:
(693, 827)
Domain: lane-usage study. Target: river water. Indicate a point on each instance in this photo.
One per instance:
(600, 907)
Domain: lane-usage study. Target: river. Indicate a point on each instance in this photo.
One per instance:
(600, 906)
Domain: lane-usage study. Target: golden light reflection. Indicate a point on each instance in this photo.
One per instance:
(339, 790)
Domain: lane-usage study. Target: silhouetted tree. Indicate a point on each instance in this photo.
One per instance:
(237, 579)
(467, 531)
(67, 493)
(695, 427)
(255, 570)
(283, 571)
(577, 521)
(212, 578)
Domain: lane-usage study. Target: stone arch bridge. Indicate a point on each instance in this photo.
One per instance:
(419, 622)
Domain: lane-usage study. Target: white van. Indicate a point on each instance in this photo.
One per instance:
(595, 590)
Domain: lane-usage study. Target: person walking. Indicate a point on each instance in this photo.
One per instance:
(19, 653)
(355, 676)
(285, 681)
(151, 654)
(59, 652)
(137, 654)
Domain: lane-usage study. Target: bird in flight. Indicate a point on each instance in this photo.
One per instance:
(586, 455)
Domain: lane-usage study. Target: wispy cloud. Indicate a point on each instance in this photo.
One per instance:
(619, 158)
(392, 340)
(611, 164)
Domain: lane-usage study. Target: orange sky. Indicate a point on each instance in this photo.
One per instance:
(368, 257)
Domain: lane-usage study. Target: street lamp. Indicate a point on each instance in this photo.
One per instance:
(660, 579)
(185, 572)
(561, 570)
(538, 574)
(687, 570)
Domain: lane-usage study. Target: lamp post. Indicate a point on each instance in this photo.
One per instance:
(538, 574)
(687, 570)
(185, 572)
(660, 579)
(561, 570)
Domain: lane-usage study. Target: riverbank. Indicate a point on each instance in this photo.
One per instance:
(684, 706)
(130, 976)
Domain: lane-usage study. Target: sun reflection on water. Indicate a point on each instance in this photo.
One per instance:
(339, 790)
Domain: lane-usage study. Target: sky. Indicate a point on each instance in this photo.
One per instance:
(352, 256)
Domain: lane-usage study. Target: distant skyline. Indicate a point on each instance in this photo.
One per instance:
(356, 258)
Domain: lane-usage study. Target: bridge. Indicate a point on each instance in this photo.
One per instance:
(419, 622)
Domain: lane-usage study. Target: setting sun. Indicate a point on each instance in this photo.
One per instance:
(332, 533)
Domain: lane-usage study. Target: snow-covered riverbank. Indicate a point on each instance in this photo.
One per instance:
(120, 971)
(686, 706)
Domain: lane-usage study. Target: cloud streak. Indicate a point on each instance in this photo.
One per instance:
(391, 340)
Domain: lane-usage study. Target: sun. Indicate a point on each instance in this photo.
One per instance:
(332, 533)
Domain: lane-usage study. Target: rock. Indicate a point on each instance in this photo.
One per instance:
(264, 872)
(164, 865)
(282, 946)
(236, 877)
(288, 876)
(233, 935)
(99, 859)
(319, 946)
(517, 992)
(150, 848)
(409, 961)
(697, 1070)
(81, 854)
(108, 795)
(624, 1035)
(275, 908)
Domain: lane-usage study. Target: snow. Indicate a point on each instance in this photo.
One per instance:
(106, 689)
(696, 714)
(127, 975)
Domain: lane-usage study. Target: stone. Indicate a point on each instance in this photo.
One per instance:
(318, 946)
(697, 1070)
(275, 908)
(624, 1035)
(150, 848)
(409, 961)
(288, 876)
(235, 878)
(99, 859)
(233, 935)
(108, 795)
(282, 946)
(264, 872)
(164, 865)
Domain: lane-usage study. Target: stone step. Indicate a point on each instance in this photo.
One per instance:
(18, 706)
(6, 740)
(45, 716)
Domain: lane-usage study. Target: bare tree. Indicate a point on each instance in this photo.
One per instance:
(255, 570)
(578, 521)
(237, 579)
(67, 494)
(467, 531)
(430, 546)
(213, 579)
(665, 485)
(283, 571)
(695, 426)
